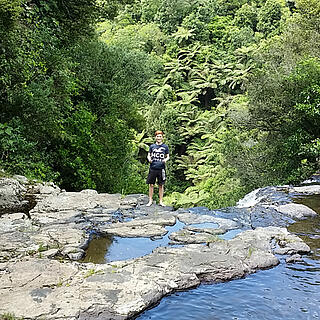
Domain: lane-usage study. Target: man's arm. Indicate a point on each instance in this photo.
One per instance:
(166, 158)
(149, 157)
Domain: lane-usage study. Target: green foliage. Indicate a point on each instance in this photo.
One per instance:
(92, 272)
(227, 7)
(170, 14)
(247, 16)
(196, 80)
(281, 145)
(196, 24)
(221, 189)
(144, 37)
(109, 9)
(72, 19)
(22, 156)
(269, 16)
(219, 29)
(10, 316)
(10, 11)
(69, 101)
(149, 9)
(235, 85)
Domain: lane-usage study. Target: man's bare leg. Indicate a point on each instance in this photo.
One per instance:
(161, 191)
(151, 188)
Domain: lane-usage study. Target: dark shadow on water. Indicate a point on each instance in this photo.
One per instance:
(312, 201)
(97, 246)
(309, 229)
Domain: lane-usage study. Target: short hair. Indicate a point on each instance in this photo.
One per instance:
(158, 132)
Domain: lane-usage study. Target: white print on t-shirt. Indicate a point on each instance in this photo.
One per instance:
(158, 154)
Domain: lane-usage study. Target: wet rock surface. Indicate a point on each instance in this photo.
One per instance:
(40, 272)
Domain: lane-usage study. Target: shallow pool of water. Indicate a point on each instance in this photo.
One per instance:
(230, 234)
(204, 225)
(111, 248)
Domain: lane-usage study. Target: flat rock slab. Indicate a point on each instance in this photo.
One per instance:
(312, 189)
(188, 236)
(34, 288)
(80, 201)
(34, 281)
(192, 218)
(148, 226)
(145, 231)
(212, 231)
(13, 222)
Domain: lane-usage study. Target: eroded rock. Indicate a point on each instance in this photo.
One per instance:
(192, 218)
(11, 196)
(312, 189)
(150, 226)
(39, 279)
(297, 211)
(124, 289)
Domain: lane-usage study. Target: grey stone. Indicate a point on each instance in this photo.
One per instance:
(192, 218)
(89, 192)
(123, 289)
(212, 231)
(21, 179)
(33, 285)
(150, 226)
(187, 236)
(134, 200)
(292, 248)
(51, 253)
(47, 190)
(297, 211)
(312, 189)
(294, 258)
(11, 196)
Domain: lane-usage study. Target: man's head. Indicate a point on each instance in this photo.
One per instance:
(159, 136)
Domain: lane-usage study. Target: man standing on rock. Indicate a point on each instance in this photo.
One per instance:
(158, 155)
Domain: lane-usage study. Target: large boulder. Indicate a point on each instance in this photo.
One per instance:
(296, 211)
(12, 196)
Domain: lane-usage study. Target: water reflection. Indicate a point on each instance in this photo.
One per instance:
(97, 245)
(230, 234)
(204, 225)
(312, 201)
(106, 249)
(309, 229)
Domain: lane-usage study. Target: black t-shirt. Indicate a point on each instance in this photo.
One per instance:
(158, 152)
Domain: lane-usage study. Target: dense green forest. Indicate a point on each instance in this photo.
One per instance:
(234, 84)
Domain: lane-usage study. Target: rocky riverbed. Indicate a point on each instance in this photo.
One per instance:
(45, 232)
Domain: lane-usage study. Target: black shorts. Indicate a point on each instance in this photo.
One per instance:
(156, 174)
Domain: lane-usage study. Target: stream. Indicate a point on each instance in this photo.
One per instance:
(288, 291)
